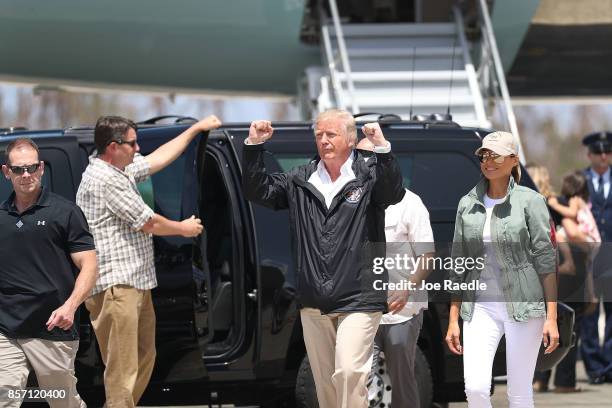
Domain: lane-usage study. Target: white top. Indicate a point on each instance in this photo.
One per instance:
(606, 181)
(321, 180)
(491, 274)
(407, 231)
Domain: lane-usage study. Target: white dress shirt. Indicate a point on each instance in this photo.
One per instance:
(407, 231)
(321, 180)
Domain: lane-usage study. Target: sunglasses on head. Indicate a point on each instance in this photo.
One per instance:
(132, 143)
(497, 158)
(30, 168)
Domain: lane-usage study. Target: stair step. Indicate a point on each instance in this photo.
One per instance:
(382, 64)
(442, 92)
(422, 101)
(370, 42)
(394, 29)
(403, 52)
(398, 76)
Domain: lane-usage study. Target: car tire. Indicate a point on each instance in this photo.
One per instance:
(380, 388)
(424, 379)
(305, 391)
(306, 394)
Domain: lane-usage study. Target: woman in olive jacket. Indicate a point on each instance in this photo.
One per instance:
(509, 226)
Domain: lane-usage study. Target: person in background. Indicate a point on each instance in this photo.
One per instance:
(121, 308)
(598, 359)
(575, 283)
(407, 231)
(48, 269)
(509, 226)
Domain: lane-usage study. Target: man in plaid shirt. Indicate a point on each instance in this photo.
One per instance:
(120, 308)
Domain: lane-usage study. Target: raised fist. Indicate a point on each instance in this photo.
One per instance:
(208, 123)
(374, 134)
(260, 131)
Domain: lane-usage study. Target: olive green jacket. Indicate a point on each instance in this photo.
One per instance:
(523, 240)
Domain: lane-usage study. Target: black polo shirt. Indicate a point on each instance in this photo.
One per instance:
(37, 274)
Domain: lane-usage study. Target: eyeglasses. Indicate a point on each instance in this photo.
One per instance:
(30, 168)
(131, 143)
(497, 158)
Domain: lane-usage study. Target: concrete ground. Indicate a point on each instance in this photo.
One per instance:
(592, 396)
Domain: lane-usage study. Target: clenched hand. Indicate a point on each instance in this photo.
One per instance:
(192, 227)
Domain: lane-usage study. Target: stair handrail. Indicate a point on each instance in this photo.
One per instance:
(344, 59)
(331, 67)
(490, 56)
(479, 109)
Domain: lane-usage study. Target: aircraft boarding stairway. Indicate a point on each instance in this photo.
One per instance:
(404, 69)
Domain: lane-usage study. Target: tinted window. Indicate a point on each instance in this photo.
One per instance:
(163, 191)
(439, 178)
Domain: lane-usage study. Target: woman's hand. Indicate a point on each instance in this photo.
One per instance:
(550, 335)
(453, 338)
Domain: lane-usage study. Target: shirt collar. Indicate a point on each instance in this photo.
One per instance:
(345, 170)
(97, 161)
(606, 175)
(42, 201)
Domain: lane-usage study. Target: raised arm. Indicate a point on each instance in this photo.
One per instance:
(169, 151)
(389, 188)
(269, 190)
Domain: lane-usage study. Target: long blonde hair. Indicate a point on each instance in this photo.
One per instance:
(541, 178)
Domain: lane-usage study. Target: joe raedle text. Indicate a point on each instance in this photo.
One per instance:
(446, 285)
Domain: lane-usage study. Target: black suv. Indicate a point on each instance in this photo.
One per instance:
(228, 330)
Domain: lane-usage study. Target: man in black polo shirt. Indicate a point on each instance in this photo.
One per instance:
(47, 269)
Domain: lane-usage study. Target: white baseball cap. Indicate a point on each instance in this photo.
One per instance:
(502, 143)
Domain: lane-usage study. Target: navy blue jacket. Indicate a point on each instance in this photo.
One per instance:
(601, 208)
(334, 247)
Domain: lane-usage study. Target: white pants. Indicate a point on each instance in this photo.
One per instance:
(481, 337)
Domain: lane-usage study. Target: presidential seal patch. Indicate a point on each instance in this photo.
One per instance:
(354, 195)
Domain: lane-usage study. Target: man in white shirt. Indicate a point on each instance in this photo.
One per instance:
(407, 231)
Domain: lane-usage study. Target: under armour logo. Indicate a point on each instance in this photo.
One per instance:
(40, 223)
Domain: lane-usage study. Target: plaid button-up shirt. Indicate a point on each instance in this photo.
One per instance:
(115, 212)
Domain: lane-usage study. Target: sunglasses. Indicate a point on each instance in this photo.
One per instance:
(30, 168)
(131, 143)
(497, 158)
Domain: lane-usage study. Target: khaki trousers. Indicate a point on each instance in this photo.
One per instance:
(53, 363)
(124, 322)
(339, 348)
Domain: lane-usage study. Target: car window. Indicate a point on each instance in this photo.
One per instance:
(439, 178)
(163, 191)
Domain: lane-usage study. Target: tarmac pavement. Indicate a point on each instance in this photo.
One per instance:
(591, 396)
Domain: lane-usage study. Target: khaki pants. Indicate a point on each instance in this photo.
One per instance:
(339, 348)
(124, 322)
(53, 363)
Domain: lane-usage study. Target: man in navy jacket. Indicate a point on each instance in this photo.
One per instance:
(336, 206)
(598, 360)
